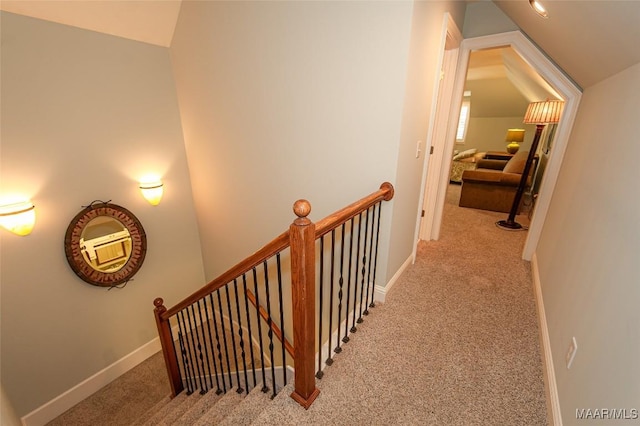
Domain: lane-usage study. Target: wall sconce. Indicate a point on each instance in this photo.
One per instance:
(152, 190)
(18, 218)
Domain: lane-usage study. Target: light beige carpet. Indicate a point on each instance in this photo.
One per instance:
(456, 342)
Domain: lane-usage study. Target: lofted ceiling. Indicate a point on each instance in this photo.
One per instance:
(148, 21)
(589, 39)
(502, 84)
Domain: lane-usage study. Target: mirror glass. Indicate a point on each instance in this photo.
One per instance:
(105, 244)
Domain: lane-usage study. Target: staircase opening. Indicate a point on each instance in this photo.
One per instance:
(280, 314)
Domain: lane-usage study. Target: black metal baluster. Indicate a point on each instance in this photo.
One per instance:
(264, 389)
(253, 360)
(197, 349)
(319, 374)
(233, 340)
(188, 337)
(207, 365)
(173, 345)
(211, 345)
(338, 349)
(219, 355)
(329, 360)
(366, 300)
(224, 339)
(188, 352)
(355, 284)
(270, 332)
(241, 339)
(375, 256)
(364, 261)
(345, 339)
(284, 353)
(184, 351)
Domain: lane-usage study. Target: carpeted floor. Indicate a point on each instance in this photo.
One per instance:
(456, 343)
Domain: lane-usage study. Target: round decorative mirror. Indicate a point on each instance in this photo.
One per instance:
(105, 244)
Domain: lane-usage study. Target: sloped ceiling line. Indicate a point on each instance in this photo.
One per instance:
(149, 21)
(532, 86)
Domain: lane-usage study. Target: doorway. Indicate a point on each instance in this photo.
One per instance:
(436, 183)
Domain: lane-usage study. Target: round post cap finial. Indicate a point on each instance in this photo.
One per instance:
(302, 208)
(386, 186)
(158, 302)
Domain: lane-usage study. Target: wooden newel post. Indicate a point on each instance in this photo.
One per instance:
(303, 260)
(170, 360)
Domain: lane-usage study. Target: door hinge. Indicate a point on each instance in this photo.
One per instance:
(431, 150)
(422, 215)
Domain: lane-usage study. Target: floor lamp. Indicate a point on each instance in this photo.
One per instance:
(540, 114)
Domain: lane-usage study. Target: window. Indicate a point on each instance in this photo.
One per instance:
(463, 122)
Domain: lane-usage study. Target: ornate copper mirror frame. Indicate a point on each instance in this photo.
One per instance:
(73, 249)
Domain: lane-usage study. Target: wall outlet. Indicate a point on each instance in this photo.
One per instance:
(571, 352)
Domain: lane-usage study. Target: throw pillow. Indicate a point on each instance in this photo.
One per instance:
(464, 154)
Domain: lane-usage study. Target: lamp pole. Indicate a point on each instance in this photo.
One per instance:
(511, 223)
(540, 114)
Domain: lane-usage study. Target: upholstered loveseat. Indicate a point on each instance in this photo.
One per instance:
(465, 160)
(493, 184)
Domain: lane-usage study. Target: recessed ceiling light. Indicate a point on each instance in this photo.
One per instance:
(539, 8)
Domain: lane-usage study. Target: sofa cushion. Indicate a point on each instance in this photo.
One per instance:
(517, 162)
(492, 164)
(483, 176)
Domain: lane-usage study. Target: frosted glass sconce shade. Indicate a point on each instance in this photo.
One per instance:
(152, 191)
(18, 218)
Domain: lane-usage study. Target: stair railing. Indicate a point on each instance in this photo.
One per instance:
(199, 346)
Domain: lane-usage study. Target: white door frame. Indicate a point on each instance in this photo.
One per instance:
(570, 93)
(440, 105)
(434, 161)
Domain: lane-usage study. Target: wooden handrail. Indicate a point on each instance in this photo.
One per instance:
(301, 237)
(280, 243)
(265, 316)
(276, 245)
(331, 222)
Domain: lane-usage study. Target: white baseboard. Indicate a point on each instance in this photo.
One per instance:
(553, 403)
(380, 293)
(52, 409)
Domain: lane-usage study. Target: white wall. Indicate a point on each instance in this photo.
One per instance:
(488, 133)
(83, 116)
(8, 416)
(287, 100)
(484, 18)
(588, 253)
(425, 56)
